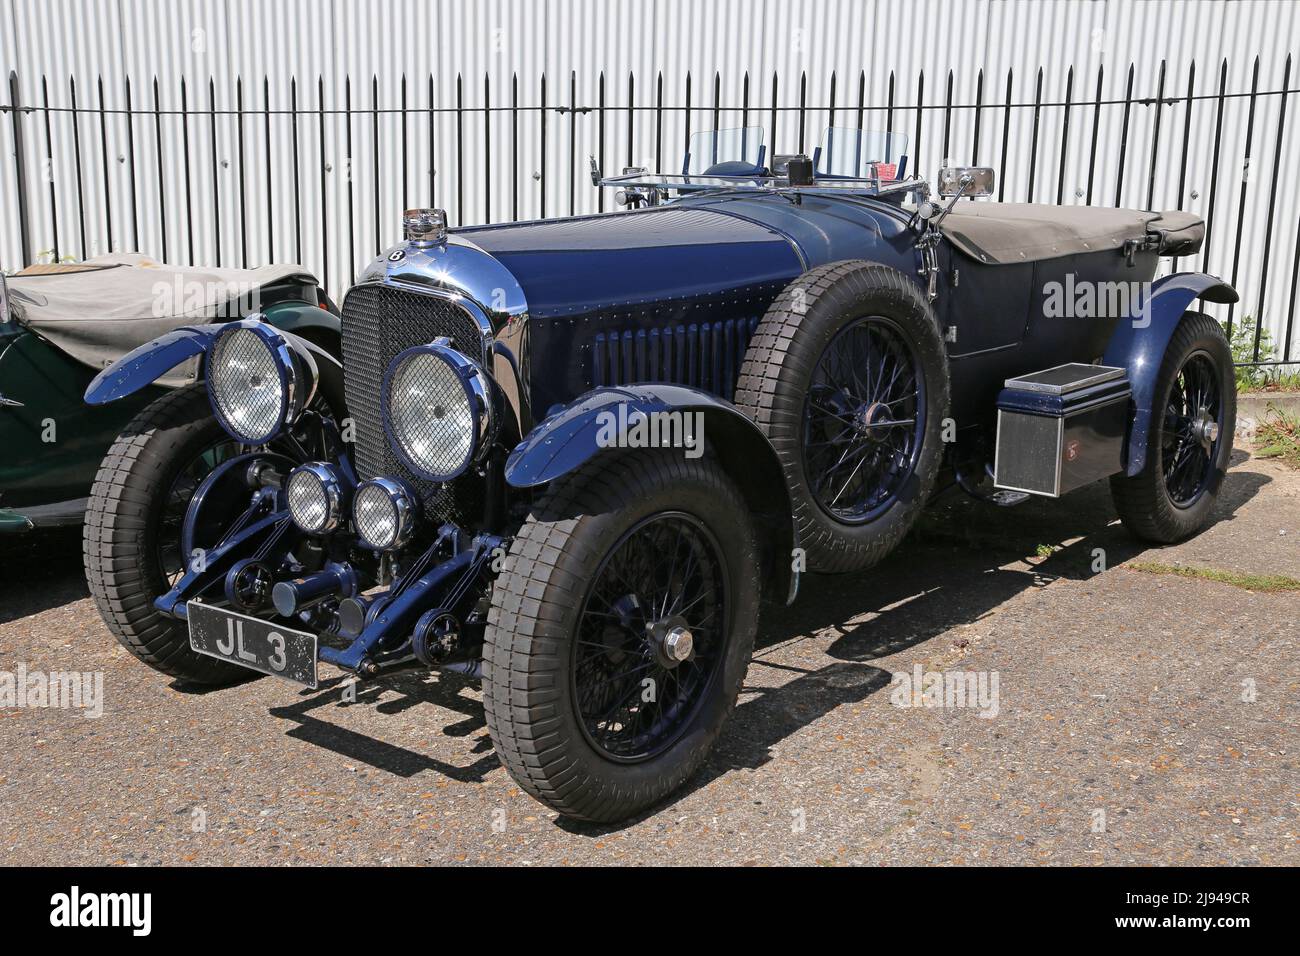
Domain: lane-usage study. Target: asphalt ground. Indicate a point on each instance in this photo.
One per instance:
(1140, 717)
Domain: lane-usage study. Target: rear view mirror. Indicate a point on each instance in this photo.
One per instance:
(966, 181)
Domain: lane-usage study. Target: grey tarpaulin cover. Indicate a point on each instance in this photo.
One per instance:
(99, 310)
(1006, 233)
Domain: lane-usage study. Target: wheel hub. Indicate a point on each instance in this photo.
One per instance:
(873, 421)
(1205, 429)
(678, 644)
(672, 640)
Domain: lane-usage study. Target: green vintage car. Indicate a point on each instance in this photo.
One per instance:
(61, 324)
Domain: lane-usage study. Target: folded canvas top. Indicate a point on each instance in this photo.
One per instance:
(1180, 233)
(1003, 233)
(100, 309)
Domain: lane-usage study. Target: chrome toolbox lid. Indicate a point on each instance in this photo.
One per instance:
(1065, 379)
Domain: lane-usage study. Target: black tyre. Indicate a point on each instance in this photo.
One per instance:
(614, 563)
(1193, 420)
(131, 541)
(848, 377)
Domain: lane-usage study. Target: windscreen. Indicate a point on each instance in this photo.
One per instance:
(863, 153)
(708, 148)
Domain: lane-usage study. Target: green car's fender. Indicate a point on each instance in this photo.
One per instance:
(315, 323)
(53, 442)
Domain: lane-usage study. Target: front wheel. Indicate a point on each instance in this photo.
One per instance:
(620, 632)
(1192, 424)
(131, 540)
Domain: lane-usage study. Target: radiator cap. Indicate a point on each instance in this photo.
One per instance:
(425, 225)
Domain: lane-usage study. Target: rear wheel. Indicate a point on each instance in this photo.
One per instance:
(848, 378)
(620, 631)
(1190, 440)
(131, 539)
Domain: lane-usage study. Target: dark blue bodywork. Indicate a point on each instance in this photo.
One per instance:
(146, 364)
(652, 310)
(1139, 342)
(673, 293)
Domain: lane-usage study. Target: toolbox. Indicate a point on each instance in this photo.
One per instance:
(1061, 428)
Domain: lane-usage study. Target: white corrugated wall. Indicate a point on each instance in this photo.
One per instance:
(492, 44)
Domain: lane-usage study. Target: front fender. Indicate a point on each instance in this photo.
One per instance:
(145, 365)
(1139, 342)
(570, 437)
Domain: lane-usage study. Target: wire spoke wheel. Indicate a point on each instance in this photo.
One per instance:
(864, 420)
(1188, 440)
(176, 503)
(847, 376)
(1192, 430)
(620, 629)
(649, 637)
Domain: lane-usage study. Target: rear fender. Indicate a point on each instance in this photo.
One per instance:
(572, 436)
(1140, 339)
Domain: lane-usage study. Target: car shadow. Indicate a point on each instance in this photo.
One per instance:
(413, 690)
(964, 547)
(972, 556)
(40, 570)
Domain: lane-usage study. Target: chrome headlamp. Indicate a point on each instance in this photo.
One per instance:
(315, 496)
(438, 410)
(254, 382)
(384, 511)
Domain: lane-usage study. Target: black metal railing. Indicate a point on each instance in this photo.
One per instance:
(639, 125)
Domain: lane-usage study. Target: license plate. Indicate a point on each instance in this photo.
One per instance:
(253, 643)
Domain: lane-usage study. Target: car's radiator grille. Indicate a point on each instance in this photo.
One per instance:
(705, 355)
(378, 323)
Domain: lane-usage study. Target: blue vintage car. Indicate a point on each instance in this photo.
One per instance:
(571, 456)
